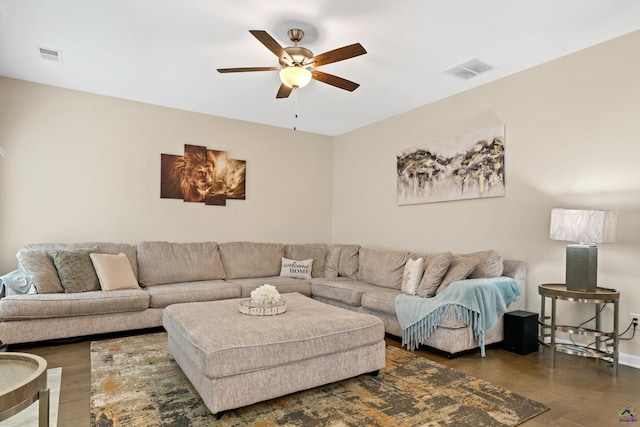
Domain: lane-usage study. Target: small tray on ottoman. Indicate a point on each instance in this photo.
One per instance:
(248, 307)
(234, 360)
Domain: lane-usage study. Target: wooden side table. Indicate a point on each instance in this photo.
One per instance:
(23, 380)
(598, 296)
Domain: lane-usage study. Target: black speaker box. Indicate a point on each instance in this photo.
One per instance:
(520, 332)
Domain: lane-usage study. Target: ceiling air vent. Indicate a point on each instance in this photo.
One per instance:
(469, 69)
(50, 54)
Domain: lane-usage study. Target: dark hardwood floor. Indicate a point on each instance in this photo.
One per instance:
(580, 391)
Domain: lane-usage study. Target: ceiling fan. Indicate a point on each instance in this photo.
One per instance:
(298, 64)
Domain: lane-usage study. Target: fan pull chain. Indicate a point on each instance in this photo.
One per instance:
(295, 108)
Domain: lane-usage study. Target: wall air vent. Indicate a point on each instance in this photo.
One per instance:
(50, 54)
(469, 69)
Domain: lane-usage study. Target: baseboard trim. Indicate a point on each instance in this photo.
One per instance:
(629, 360)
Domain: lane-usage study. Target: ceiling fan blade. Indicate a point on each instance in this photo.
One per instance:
(242, 70)
(336, 81)
(269, 42)
(339, 54)
(284, 91)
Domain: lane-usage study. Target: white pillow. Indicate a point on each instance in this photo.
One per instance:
(296, 269)
(412, 275)
(114, 271)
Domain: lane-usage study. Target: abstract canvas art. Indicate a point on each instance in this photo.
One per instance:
(466, 166)
(202, 175)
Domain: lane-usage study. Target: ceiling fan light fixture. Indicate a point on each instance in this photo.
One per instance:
(295, 77)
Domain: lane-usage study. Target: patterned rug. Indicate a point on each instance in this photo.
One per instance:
(136, 382)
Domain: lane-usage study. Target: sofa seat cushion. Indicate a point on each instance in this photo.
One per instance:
(284, 285)
(204, 290)
(161, 263)
(247, 259)
(349, 292)
(45, 306)
(381, 299)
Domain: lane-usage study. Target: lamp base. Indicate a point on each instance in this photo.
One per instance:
(582, 267)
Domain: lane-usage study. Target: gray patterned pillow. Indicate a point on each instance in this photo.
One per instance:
(76, 271)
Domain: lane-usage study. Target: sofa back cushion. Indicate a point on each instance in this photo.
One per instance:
(160, 263)
(248, 259)
(342, 261)
(315, 251)
(382, 268)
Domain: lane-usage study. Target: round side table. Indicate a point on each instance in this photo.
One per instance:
(598, 296)
(23, 380)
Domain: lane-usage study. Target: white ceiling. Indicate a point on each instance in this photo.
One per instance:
(166, 52)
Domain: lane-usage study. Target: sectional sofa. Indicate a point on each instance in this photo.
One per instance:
(162, 273)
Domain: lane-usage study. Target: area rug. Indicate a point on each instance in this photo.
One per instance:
(136, 382)
(29, 416)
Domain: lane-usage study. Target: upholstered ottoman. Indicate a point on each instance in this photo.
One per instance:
(234, 359)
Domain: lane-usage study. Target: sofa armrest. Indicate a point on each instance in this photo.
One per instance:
(518, 271)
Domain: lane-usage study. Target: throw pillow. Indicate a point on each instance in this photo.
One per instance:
(76, 271)
(490, 264)
(459, 270)
(296, 269)
(114, 271)
(40, 267)
(433, 274)
(412, 275)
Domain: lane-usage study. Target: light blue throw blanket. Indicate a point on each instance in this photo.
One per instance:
(476, 302)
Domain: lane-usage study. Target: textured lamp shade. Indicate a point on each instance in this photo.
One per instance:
(295, 76)
(587, 227)
(581, 225)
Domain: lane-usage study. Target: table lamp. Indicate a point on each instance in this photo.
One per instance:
(587, 227)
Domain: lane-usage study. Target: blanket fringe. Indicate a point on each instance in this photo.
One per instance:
(422, 329)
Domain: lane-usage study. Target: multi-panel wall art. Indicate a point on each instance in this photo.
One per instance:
(202, 175)
(462, 167)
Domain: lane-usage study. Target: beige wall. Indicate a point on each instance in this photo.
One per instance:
(87, 167)
(572, 131)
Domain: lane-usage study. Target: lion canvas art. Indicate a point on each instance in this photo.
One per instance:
(202, 175)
